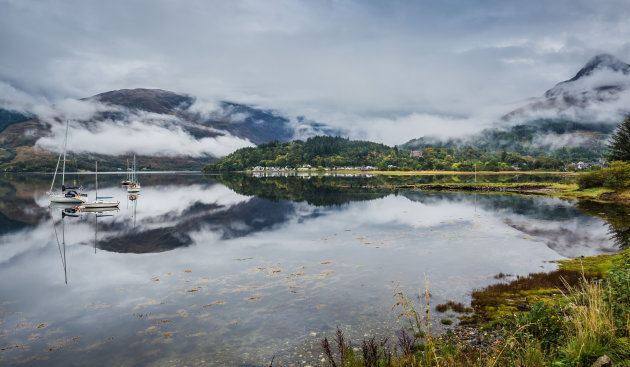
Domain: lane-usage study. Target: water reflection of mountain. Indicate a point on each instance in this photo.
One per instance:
(172, 208)
(276, 202)
(561, 225)
(228, 221)
(314, 190)
(528, 206)
(18, 209)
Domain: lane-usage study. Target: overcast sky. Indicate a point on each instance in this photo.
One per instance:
(375, 64)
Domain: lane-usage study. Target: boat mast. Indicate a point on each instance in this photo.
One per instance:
(62, 254)
(135, 176)
(65, 143)
(55, 175)
(96, 178)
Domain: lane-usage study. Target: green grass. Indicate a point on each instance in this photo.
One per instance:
(572, 325)
(552, 189)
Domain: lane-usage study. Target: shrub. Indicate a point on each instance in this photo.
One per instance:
(616, 176)
(544, 323)
(617, 294)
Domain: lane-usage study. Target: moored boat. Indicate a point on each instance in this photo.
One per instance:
(70, 195)
(134, 186)
(100, 202)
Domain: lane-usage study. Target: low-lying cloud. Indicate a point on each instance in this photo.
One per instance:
(137, 132)
(555, 141)
(603, 96)
(118, 137)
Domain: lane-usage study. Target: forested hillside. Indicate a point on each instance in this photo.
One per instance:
(335, 152)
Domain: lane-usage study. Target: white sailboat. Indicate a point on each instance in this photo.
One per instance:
(71, 195)
(134, 187)
(100, 201)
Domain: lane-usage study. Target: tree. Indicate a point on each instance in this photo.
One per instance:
(619, 144)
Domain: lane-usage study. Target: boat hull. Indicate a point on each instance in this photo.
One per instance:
(100, 204)
(133, 189)
(67, 200)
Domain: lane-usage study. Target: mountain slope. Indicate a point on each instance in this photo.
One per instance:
(239, 120)
(150, 100)
(602, 84)
(166, 129)
(576, 115)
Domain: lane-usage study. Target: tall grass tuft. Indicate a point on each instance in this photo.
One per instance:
(591, 327)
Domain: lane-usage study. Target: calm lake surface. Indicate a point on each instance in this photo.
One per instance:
(233, 270)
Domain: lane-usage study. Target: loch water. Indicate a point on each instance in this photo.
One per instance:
(235, 270)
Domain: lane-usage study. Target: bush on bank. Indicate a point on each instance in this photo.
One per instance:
(616, 176)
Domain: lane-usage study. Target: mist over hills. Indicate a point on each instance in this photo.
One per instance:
(166, 129)
(169, 130)
(597, 92)
(578, 114)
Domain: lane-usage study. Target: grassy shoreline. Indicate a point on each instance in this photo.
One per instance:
(560, 190)
(573, 316)
(570, 317)
(480, 173)
(410, 173)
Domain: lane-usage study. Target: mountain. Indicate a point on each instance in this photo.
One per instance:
(239, 120)
(600, 84)
(576, 115)
(167, 130)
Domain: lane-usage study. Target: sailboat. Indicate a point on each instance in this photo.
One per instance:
(100, 201)
(127, 180)
(68, 194)
(134, 187)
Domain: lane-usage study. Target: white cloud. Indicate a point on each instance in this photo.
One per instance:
(555, 141)
(205, 108)
(121, 137)
(16, 100)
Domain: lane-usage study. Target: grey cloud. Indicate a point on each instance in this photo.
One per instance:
(366, 59)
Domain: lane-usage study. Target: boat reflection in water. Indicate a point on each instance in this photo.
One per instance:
(134, 205)
(74, 211)
(66, 210)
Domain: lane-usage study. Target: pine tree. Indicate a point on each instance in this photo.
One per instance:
(619, 143)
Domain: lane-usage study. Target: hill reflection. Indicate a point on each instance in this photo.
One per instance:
(174, 210)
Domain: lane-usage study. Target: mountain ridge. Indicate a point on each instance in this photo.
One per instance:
(26, 139)
(561, 118)
(600, 82)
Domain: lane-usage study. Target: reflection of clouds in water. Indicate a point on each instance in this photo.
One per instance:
(155, 201)
(292, 257)
(381, 212)
(34, 238)
(584, 236)
(557, 223)
(168, 206)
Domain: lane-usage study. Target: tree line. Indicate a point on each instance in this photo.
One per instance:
(335, 152)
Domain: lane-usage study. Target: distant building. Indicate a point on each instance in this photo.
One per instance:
(416, 153)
